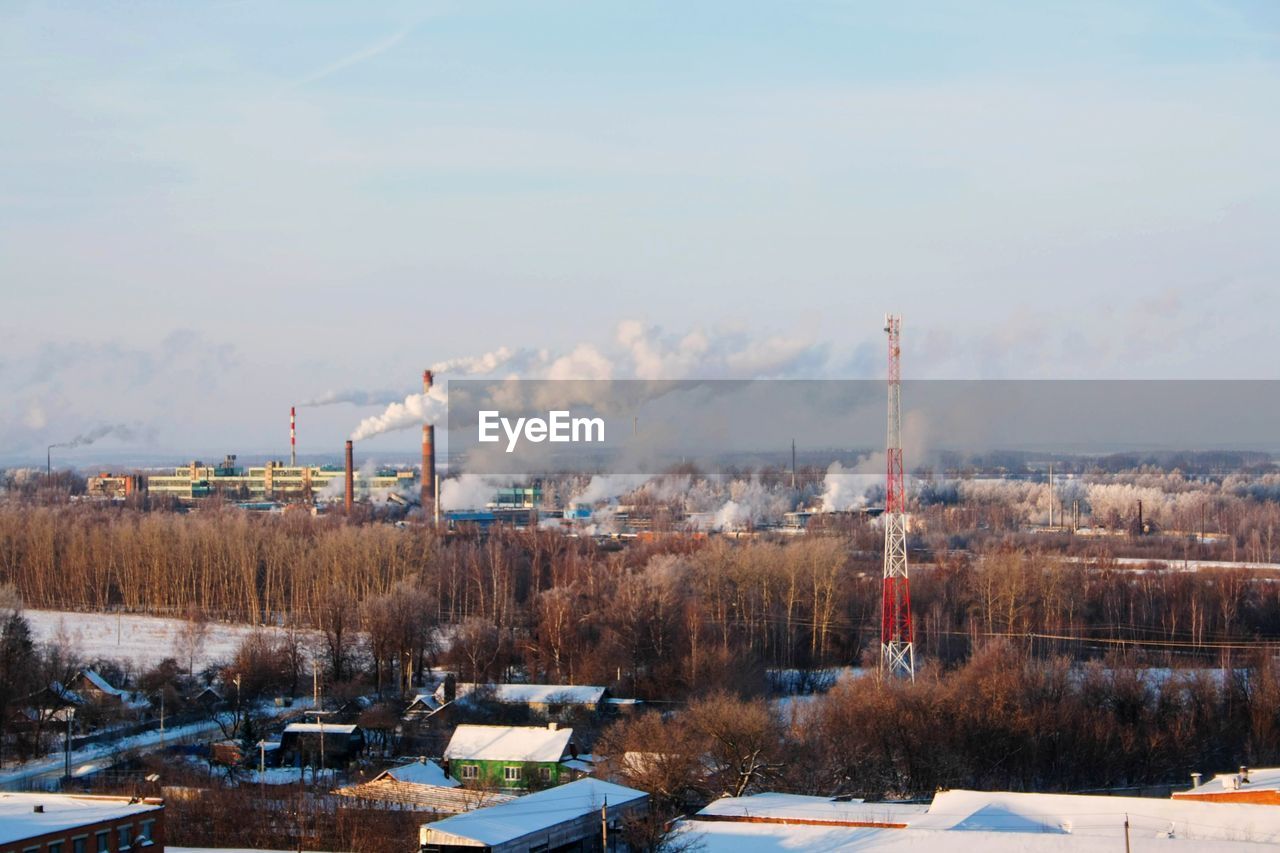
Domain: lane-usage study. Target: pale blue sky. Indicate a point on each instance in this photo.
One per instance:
(201, 203)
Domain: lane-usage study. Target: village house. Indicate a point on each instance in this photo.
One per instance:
(320, 744)
(510, 757)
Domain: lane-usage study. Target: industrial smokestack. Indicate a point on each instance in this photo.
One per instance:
(293, 437)
(428, 454)
(351, 477)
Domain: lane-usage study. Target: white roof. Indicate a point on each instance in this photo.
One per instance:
(508, 743)
(1260, 779)
(316, 728)
(101, 683)
(526, 815)
(998, 822)
(541, 694)
(782, 807)
(62, 812)
(422, 772)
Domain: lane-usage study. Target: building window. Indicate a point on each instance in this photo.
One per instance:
(80, 845)
(55, 847)
(123, 835)
(511, 774)
(470, 771)
(544, 773)
(104, 841)
(145, 830)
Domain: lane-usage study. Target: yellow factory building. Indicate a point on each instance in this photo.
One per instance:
(272, 481)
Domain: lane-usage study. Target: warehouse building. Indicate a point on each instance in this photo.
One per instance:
(61, 823)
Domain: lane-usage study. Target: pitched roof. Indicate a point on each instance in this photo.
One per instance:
(540, 694)
(508, 743)
(102, 684)
(317, 728)
(422, 772)
(530, 814)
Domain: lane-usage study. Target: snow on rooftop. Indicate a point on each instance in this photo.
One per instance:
(989, 821)
(1260, 779)
(796, 807)
(1098, 816)
(508, 743)
(537, 694)
(419, 773)
(316, 728)
(529, 814)
(102, 684)
(19, 819)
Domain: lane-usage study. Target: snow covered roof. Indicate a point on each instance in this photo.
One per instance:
(317, 728)
(1260, 779)
(530, 814)
(536, 694)
(421, 772)
(508, 743)
(797, 808)
(1098, 816)
(102, 684)
(61, 813)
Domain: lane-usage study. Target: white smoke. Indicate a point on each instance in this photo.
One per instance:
(487, 363)
(415, 410)
(606, 487)
(352, 397)
(847, 488)
(469, 491)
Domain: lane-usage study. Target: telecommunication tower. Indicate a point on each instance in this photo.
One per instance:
(897, 646)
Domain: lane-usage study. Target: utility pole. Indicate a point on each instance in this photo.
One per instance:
(897, 638)
(604, 826)
(1126, 834)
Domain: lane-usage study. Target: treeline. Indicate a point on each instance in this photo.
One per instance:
(662, 619)
(1003, 721)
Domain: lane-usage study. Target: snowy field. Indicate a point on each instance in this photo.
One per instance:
(142, 641)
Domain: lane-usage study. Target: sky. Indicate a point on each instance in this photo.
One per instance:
(211, 211)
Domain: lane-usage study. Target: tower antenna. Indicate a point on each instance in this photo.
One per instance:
(897, 638)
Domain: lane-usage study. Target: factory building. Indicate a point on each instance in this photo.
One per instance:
(272, 481)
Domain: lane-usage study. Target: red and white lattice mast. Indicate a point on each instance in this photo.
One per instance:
(897, 647)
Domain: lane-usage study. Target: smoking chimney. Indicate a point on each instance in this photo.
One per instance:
(351, 485)
(428, 455)
(293, 437)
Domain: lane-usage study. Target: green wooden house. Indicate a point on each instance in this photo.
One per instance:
(512, 757)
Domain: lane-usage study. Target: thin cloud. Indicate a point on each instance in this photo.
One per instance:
(352, 59)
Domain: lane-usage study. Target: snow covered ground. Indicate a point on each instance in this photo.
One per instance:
(46, 772)
(142, 641)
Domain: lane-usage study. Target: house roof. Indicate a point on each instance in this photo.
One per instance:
(529, 814)
(508, 743)
(317, 728)
(61, 813)
(816, 810)
(1260, 779)
(102, 684)
(540, 694)
(421, 772)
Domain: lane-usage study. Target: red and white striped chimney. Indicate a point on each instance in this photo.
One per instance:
(293, 437)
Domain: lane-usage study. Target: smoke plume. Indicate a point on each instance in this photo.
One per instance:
(124, 432)
(352, 397)
(415, 410)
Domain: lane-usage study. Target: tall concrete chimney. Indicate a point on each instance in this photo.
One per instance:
(350, 474)
(293, 437)
(428, 455)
